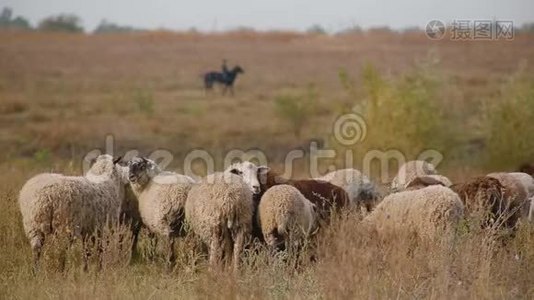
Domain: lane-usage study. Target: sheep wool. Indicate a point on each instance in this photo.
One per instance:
(431, 212)
(517, 191)
(162, 202)
(528, 182)
(77, 205)
(285, 213)
(219, 210)
(361, 191)
(161, 199)
(409, 171)
(428, 180)
(483, 198)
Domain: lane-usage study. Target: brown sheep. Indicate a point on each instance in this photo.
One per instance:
(527, 168)
(490, 195)
(324, 195)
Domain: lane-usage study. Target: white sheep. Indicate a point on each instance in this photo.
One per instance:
(409, 171)
(428, 180)
(361, 191)
(219, 210)
(528, 182)
(161, 199)
(286, 216)
(76, 205)
(249, 172)
(430, 212)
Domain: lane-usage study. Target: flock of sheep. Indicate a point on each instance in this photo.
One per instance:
(246, 202)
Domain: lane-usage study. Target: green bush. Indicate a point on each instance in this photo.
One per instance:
(403, 113)
(510, 138)
(296, 109)
(7, 21)
(109, 27)
(144, 101)
(42, 156)
(62, 22)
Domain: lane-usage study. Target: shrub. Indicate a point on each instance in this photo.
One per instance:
(403, 114)
(144, 101)
(296, 109)
(316, 29)
(508, 120)
(42, 156)
(7, 21)
(62, 23)
(108, 27)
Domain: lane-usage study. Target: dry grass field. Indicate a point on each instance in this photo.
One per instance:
(61, 95)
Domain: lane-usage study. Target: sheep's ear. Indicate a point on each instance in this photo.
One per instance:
(236, 172)
(117, 160)
(263, 170)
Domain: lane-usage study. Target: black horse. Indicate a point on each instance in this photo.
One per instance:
(226, 78)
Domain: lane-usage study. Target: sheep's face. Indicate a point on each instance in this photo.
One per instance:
(249, 172)
(369, 197)
(141, 170)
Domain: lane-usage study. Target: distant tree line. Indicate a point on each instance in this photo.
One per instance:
(69, 23)
(73, 24)
(7, 20)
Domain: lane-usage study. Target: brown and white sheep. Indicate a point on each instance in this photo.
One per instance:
(324, 195)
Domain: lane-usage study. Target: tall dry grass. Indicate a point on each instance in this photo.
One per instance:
(348, 263)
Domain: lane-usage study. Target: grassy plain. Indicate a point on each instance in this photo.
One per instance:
(61, 95)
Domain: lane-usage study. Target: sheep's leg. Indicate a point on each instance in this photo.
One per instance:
(232, 90)
(100, 249)
(531, 210)
(37, 243)
(135, 233)
(63, 254)
(171, 257)
(153, 245)
(215, 248)
(36, 257)
(238, 248)
(86, 244)
(224, 90)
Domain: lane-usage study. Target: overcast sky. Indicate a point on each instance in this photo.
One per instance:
(334, 15)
